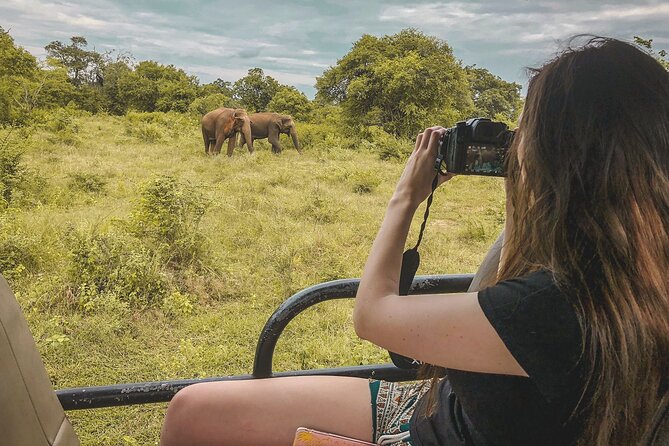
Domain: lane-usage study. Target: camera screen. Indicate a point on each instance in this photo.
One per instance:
(485, 160)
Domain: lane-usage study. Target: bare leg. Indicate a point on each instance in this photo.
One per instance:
(268, 411)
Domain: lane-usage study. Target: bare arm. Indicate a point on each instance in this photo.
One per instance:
(450, 331)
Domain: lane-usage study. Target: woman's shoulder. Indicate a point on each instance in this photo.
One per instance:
(535, 288)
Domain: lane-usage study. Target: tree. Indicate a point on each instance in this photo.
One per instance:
(83, 66)
(14, 60)
(113, 73)
(219, 86)
(202, 106)
(401, 82)
(156, 87)
(19, 74)
(648, 44)
(255, 90)
(494, 97)
(291, 101)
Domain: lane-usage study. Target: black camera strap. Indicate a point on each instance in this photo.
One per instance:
(410, 264)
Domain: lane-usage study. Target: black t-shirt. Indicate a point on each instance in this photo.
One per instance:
(539, 327)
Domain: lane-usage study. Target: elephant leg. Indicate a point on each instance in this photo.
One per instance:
(219, 144)
(232, 141)
(273, 139)
(206, 141)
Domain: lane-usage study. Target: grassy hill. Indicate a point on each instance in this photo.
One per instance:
(136, 257)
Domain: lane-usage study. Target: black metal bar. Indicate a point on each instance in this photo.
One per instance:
(336, 289)
(163, 391)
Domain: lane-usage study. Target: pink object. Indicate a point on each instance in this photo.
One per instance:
(310, 437)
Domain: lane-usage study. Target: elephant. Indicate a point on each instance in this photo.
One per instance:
(224, 123)
(271, 125)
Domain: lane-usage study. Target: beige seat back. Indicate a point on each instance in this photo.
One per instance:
(30, 413)
(487, 272)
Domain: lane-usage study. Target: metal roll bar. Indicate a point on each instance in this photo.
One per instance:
(162, 391)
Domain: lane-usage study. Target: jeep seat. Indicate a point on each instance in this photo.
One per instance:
(30, 413)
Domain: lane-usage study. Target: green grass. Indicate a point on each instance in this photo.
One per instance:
(274, 225)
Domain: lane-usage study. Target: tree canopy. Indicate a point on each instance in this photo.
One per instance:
(291, 101)
(401, 82)
(494, 97)
(255, 90)
(83, 66)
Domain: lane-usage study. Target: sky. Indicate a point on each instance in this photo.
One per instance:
(296, 40)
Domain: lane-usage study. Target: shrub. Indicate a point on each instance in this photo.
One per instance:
(61, 123)
(11, 167)
(149, 133)
(19, 252)
(154, 126)
(62, 119)
(178, 305)
(386, 145)
(167, 218)
(364, 181)
(117, 264)
(87, 182)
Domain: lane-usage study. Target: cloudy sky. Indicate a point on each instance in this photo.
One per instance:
(295, 40)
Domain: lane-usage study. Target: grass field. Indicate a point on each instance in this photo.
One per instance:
(255, 229)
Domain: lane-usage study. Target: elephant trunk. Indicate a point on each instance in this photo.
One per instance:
(246, 131)
(296, 143)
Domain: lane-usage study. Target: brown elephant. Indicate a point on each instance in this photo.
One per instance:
(224, 123)
(271, 125)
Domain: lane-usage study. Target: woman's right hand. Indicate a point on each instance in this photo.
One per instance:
(415, 184)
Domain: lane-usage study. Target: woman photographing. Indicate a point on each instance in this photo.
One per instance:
(568, 345)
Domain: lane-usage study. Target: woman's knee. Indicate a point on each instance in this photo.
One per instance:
(192, 412)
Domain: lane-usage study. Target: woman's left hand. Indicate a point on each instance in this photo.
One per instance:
(415, 184)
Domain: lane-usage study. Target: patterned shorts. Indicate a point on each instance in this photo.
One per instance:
(392, 407)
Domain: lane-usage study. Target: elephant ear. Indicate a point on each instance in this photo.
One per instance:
(240, 117)
(286, 121)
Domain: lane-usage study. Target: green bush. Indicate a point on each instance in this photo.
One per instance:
(60, 119)
(11, 167)
(167, 218)
(387, 146)
(87, 182)
(178, 305)
(66, 137)
(149, 133)
(115, 264)
(154, 126)
(364, 181)
(19, 252)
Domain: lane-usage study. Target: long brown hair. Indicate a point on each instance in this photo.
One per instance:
(590, 197)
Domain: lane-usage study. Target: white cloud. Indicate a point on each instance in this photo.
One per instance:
(293, 61)
(294, 41)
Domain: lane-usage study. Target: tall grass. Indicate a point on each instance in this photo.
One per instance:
(137, 257)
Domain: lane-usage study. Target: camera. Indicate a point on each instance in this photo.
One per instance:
(477, 146)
